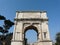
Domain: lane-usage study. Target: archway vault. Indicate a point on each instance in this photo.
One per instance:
(31, 27)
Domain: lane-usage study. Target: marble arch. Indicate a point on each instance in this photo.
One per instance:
(31, 19)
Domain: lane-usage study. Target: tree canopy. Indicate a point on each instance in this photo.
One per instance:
(5, 37)
(58, 38)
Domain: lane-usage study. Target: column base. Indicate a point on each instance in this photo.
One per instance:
(16, 43)
(43, 43)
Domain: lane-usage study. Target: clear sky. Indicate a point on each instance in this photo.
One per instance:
(8, 9)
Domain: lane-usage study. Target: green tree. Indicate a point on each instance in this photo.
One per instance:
(5, 29)
(8, 38)
(57, 39)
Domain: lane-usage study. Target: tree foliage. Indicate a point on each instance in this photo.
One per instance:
(2, 17)
(58, 39)
(5, 29)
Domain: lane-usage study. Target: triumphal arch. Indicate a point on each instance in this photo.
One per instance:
(36, 20)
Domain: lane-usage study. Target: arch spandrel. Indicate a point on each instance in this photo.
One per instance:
(31, 24)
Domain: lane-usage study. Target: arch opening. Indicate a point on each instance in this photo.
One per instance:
(30, 34)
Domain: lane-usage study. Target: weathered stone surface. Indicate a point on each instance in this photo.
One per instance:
(36, 20)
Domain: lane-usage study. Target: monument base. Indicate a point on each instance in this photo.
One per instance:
(43, 43)
(16, 43)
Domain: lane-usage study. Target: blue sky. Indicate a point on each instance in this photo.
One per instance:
(31, 36)
(8, 9)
